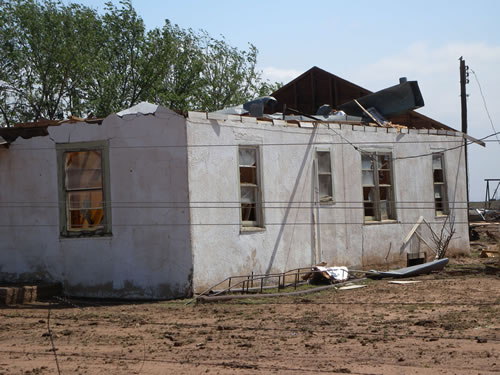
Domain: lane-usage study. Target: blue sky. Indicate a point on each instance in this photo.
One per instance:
(371, 43)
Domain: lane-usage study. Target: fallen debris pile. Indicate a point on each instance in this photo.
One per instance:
(321, 274)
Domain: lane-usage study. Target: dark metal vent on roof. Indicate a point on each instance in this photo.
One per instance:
(391, 101)
(256, 106)
(324, 110)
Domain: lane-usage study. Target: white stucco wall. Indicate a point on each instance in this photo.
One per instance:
(175, 209)
(148, 254)
(220, 249)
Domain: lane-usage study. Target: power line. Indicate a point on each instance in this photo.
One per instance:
(238, 224)
(207, 145)
(227, 202)
(485, 106)
(247, 205)
(347, 142)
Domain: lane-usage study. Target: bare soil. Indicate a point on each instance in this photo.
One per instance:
(448, 323)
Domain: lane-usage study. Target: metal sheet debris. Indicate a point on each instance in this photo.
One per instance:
(348, 287)
(392, 101)
(143, 108)
(402, 282)
(435, 265)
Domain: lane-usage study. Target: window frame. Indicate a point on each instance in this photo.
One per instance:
(61, 150)
(391, 211)
(258, 224)
(330, 199)
(444, 186)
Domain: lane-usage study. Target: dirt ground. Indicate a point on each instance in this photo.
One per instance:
(448, 323)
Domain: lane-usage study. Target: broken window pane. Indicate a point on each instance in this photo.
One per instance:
(369, 194)
(378, 194)
(324, 176)
(248, 204)
(366, 161)
(385, 203)
(438, 175)
(369, 209)
(248, 194)
(383, 162)
(437, 192)
(436, 162)
(368, 179)
(385, 193)
(248, 156)
(440, 188)
(324, 162)
(249, 186)
(248, 175)
(325, 186)
(384, 177)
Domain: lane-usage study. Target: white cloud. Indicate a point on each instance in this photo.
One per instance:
(274, 74)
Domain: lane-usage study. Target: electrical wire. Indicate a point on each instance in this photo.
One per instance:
(237, 224)
(485, 106)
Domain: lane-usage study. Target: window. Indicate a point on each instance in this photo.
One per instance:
(378, 192)
(250, 189)
(440, 190)
(83, 189)
(324, 176)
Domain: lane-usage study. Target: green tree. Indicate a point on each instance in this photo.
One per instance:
(179, 62)
(229, 75)
(41, 57)
(119, 74)
(58, 60)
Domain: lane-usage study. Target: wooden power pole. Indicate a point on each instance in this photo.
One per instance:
(464, 79)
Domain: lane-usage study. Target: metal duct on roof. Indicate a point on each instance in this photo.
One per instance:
(256, 106)
(324, 110)
(389, 102)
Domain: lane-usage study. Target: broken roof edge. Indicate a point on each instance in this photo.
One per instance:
(392, 127)
(43, 123)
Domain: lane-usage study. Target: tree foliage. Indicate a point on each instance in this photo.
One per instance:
(58, 60)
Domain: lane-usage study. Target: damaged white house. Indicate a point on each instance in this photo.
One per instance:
(148, 203)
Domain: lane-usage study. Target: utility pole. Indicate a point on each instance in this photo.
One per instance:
(464, 79)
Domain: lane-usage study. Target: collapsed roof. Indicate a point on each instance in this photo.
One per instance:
(38, 128)
(316, 87)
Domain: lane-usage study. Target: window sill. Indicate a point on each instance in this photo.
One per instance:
(251, 229)
(330, 202)
(443, 216)
(380, 222)
(86, 236)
